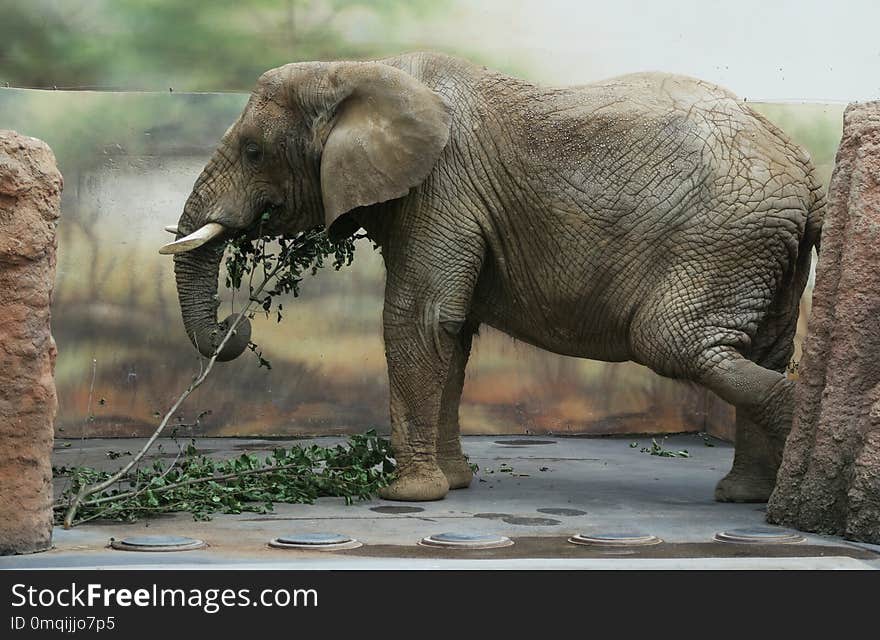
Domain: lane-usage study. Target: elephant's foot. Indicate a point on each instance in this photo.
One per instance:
(457, 471)
(416, 484)
(737, 486)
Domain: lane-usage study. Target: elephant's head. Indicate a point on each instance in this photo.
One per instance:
(315, 141)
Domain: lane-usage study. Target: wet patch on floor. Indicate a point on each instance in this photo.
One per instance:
(561, 511)
(523, 442)
(531, 522)
(526, 521)
(397, 509)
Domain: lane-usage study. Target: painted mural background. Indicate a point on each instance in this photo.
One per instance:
(123, 355)
(129, 159)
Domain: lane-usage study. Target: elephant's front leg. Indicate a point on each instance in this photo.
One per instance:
(426, 307)
(416, 374)
(450, 457)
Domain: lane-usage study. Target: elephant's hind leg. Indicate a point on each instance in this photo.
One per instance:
(450, 457)
(764, 401)
(756, 460)
(753, 475)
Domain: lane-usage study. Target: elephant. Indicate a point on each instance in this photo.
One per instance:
(651, 217)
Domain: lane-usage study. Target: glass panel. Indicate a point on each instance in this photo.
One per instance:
(129, 161)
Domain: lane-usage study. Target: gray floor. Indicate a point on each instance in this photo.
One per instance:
(558, 487)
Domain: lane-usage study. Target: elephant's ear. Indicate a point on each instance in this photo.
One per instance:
(387, 130)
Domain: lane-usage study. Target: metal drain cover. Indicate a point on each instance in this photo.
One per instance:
(759, 535)
(615, 539)
(157, 543)
(452, 540)
(315, 541)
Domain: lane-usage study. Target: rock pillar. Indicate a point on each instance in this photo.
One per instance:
(30, 195)
(829, 481)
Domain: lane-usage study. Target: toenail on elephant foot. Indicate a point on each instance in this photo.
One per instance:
(744, 488)
(457, 471)
(417, 486)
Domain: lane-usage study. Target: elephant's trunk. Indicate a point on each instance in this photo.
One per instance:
(196, 272)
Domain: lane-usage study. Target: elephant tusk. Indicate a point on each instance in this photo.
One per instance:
(171, 228)
(194, 240)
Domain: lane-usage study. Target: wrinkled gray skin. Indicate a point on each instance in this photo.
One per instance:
(650, 217)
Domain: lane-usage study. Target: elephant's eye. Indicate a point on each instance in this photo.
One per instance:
(254, 152)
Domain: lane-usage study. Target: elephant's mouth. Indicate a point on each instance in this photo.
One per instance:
(263, 225)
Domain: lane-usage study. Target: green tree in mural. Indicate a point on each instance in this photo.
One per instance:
(193, 45)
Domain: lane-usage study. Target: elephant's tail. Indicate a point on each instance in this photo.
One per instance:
(812, 237)
(815, 218)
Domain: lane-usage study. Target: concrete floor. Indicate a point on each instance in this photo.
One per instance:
(558, 487)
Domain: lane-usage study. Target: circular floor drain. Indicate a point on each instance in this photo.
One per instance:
(759, 535)
(615, 540)
(157, 543)
(315, 541)
(524, 442)
(466, 541)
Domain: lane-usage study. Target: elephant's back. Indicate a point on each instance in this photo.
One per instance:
(689, 115)
(668, 147)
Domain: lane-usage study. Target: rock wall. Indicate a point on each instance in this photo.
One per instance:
(829, 481)
(30, 195)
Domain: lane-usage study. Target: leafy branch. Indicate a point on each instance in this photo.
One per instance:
(249, 254)
(203, 486)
